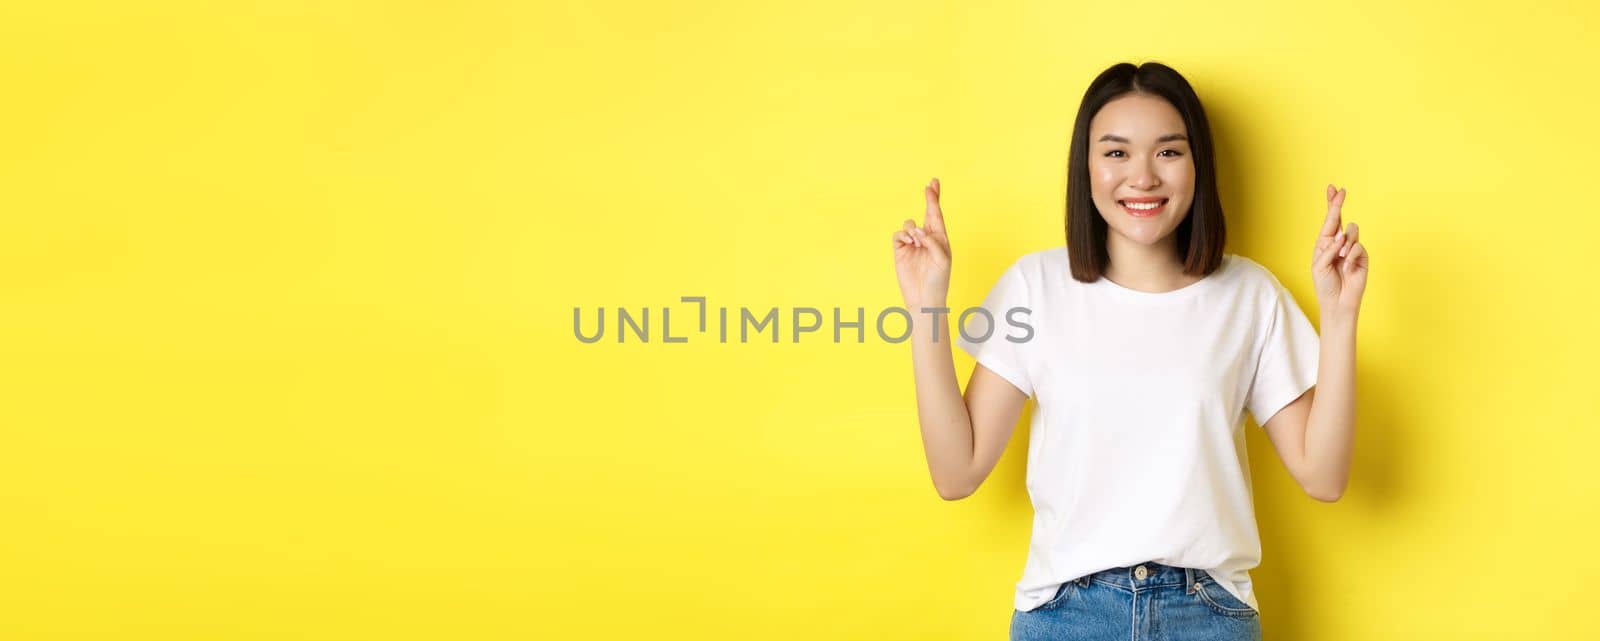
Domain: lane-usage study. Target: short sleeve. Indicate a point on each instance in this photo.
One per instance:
(1287, 365)
(1009, 320)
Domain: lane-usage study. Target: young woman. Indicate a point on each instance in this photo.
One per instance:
(1143, 344)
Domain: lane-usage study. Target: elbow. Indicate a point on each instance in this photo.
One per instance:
(1322, 485)
(953, 493)
(1326, 495)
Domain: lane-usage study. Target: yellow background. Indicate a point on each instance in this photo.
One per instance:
(288, 286)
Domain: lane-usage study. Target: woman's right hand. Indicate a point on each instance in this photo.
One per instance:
(922, 256)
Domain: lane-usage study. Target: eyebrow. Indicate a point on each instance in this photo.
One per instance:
(1166, 138)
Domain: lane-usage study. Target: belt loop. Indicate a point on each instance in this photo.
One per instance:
(1188, 580)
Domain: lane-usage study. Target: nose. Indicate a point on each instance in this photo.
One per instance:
(1143, 176)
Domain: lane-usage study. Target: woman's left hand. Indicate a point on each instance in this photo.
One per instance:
(1339, 261)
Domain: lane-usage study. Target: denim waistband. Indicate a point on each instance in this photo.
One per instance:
(1154, 575)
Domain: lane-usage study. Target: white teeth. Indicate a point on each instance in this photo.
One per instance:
(1143, 206)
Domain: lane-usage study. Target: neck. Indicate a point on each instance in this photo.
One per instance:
(1147, 268)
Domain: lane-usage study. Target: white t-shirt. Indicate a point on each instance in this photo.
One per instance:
(1137, 444)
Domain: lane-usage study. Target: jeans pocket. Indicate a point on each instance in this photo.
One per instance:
(1062, 594)
(1221, 601)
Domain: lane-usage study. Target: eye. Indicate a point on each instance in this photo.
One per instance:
(1113, 151)
(1175, 153)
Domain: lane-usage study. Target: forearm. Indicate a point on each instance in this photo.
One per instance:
(1330, 429)
(947, 437)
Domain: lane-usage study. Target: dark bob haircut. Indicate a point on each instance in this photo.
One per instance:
(1202, 233)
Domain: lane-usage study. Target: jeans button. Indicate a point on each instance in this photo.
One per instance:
(1140, 573)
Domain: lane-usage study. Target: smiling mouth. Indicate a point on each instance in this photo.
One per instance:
(1143, 210)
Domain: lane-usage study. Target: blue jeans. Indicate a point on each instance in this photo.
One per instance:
(1145, 602)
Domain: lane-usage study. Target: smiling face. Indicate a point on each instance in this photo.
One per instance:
(1140, 168)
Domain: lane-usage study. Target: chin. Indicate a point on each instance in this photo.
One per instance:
(1143, 239)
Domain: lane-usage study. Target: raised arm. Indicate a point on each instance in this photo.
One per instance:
(962, 436)
(1315, 434)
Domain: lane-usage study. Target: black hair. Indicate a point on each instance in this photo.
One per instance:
(1202, 234)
